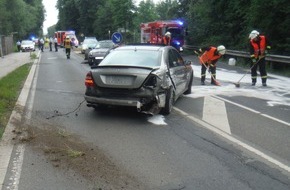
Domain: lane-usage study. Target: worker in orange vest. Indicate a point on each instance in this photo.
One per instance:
(208, 59)
(67, 45)
(167, 39)
(259, 47)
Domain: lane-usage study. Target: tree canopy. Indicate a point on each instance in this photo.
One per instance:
(23, 18)
(209, 22)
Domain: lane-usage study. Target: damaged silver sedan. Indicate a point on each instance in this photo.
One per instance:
(148, 77)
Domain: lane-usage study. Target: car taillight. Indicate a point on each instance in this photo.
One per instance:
(89, 82)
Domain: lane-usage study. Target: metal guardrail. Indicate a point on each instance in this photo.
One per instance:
(269, 57)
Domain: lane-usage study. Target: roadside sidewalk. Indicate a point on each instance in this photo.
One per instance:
(10, 62)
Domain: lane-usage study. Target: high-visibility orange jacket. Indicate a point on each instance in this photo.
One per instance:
(166, 40)
(210, 56)
(258, 47)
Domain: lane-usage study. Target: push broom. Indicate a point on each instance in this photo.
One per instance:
(237, 84)
(207, 67)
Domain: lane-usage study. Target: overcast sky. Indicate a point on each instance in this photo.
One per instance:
(51, 14)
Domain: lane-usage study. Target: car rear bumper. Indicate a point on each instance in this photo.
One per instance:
(28, 49)
(109, 101)
(132, 102)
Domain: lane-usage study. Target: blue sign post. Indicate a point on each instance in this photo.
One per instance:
(117, 37)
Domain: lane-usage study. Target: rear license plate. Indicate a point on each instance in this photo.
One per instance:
(119, 80)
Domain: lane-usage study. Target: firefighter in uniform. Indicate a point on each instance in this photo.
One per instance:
(50, 43)
(258, 49)
(208, 59)
(67, 45)
(167, 39)
(41, 44)
(18, 43)
(55, 44)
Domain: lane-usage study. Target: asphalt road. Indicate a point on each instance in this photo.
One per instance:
(215, 141)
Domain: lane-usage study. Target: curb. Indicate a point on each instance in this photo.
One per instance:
(6, 143)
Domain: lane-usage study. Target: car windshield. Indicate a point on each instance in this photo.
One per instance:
(90, 41)
(107, 45)
(139, 58)
(71, 36)
(26, 42)
(176, 32)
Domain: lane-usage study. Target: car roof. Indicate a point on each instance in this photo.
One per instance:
(90, 38)
(105, 41)
(26, 41)
(143, 46)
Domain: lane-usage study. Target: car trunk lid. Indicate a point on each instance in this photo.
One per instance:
(120, 77)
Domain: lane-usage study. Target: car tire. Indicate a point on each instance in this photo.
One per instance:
(188, 91)
(168, 102)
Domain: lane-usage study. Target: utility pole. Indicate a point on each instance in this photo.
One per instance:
(1, 51)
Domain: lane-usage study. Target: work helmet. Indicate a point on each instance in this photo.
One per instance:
(168, 34)
(253, 34)
(67, 37)
(221, 49)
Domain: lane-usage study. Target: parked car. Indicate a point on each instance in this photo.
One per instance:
(73, 38)
(27, 45)
(148, 77)
(35, 41)
(88, 43)
(96, 55)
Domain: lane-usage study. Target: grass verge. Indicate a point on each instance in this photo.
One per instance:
(10, 88)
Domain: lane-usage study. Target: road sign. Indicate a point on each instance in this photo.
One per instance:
(117, 37)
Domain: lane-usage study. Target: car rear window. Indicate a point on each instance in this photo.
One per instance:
(142, 58)
(105, 45)
(27, 42)
(90, 41)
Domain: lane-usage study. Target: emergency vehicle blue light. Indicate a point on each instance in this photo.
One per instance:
(180, 22)
(176, 42)
(32, 37)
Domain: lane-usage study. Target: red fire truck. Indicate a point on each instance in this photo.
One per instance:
(152, 32)
(60, 35)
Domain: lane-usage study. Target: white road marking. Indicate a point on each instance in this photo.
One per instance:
(16, 168)
(5, 155)
(236, 141)
(254, 111)
(215, 113)
(239, 105)
(6, 144)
